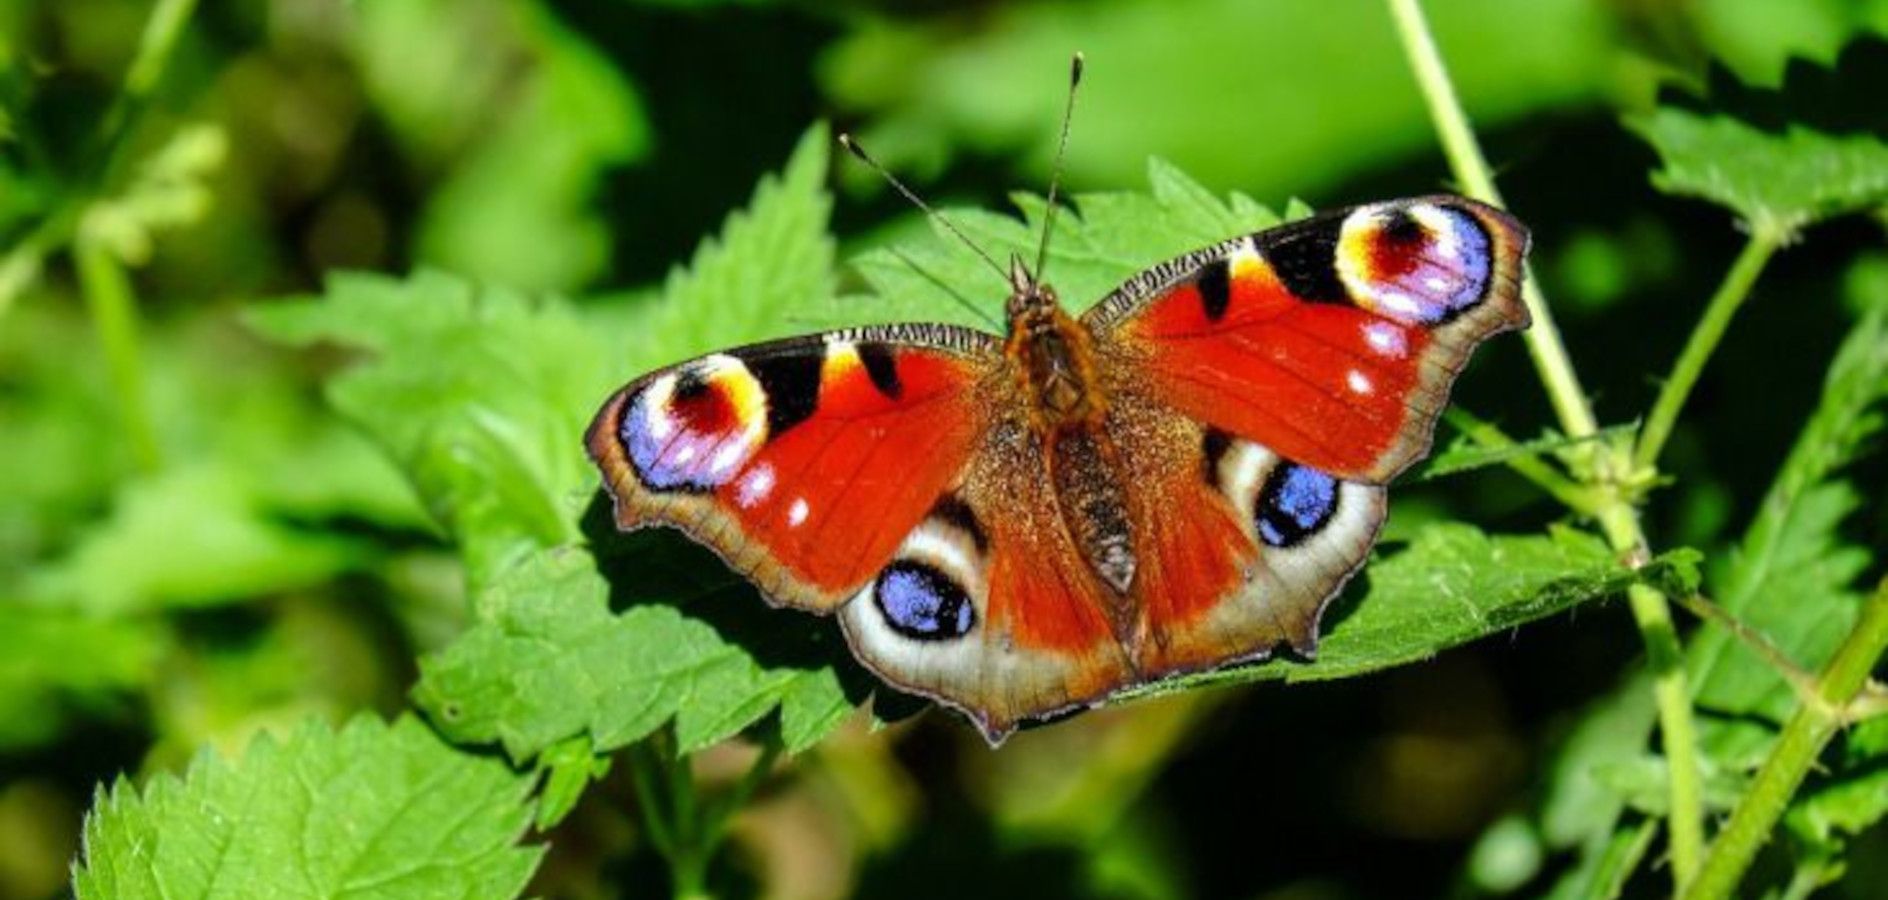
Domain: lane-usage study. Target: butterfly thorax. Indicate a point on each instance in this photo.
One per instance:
(1053, 358)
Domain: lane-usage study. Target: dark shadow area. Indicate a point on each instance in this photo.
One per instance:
(662, 565)
(726, 91)
(1845, 98)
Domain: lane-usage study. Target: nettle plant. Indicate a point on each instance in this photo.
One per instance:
(591, 650)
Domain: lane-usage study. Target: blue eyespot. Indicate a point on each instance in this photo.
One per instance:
(1295, 503)
(923, 603)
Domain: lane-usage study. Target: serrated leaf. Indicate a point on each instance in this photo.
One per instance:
(771, 264)
(1451, 585)
(553, 661)
(479, 396)
(1103, 241)
(1783, 159)
(1466, 455)
(1828, 814)
(1793, 576)
(386, 810)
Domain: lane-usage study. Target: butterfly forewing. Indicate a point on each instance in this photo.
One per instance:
(803, 462)
(1333, 340)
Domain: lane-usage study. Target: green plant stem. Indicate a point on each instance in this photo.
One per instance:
(114, 311)
(1801, 680)
(155, 46)
(1574, 496)
(1472, 175)
(722, 812)
(1698, 348)
(684, 827)
(1618, 519)
(105, 153)
(644, 767)
(1802, 740)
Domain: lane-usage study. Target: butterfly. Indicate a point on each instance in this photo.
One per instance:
(1179, 479)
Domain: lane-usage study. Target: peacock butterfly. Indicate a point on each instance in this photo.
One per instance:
(1178, 479)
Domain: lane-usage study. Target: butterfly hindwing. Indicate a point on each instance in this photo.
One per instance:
(987, 605)
(1333, 340)
(803, 462)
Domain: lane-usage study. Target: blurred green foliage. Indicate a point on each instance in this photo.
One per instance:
(304, 307)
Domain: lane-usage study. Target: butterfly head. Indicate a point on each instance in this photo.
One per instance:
(1030, 299)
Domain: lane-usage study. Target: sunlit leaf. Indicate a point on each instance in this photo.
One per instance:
(1793, 576)
(54, 663)
(771, 264)
(194, 535)
(480, 397)
(387, 810)
(1103, 241)
(1451, 585)
(1782, 159)
(554, 661)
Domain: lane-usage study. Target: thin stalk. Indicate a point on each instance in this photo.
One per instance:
(114, 310)
(1802, 681)
(1618, 519)
(1698, 348)
(104, 154)
(644, 767)
(1577, 497)
(155, 46)
(1802, 740)
(688, 863)
(722, 812)
(1472, 175)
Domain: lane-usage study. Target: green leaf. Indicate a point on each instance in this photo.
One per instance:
(481, 397)
(1826, 815)
(570, 766)
(1109, 238)
(1793, 576)
(1579, 809)
(1453, 584)
(1603, 869)
(552, 661)
(386, 810)
(771, 265)
(1644, 783)
(1466, 454)
(193, 536)
(1783, 159)
(526, 117)
(259, 473)
(55, 661)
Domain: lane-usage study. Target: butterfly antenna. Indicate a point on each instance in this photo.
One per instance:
(846, 141)
(1055, 172)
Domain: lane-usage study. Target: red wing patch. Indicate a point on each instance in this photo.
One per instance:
(803, 463)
